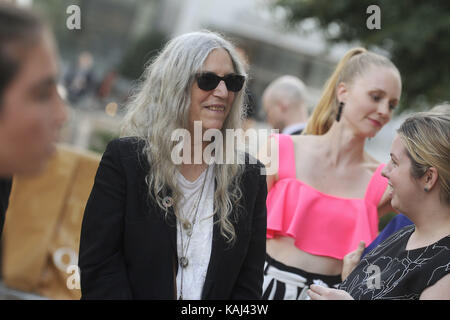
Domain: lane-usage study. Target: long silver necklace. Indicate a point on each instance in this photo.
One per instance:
(189, 228)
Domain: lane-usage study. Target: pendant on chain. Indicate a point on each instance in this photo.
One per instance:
(184, 262)
(187, 225)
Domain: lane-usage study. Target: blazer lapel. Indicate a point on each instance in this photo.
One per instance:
(169, 221)
(171, 225)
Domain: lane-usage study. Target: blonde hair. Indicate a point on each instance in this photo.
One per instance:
(354, 63)
(161, 105)
(426, 137)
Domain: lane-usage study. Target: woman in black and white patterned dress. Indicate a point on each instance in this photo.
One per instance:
(413, 263)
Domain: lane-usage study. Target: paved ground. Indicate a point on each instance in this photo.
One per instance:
(11, 294)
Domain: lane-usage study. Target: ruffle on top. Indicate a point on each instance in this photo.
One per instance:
(321, 224)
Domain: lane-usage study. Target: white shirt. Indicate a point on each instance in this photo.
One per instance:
(198, 252)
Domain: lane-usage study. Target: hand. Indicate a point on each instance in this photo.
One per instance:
(317, 292)
(351, 260)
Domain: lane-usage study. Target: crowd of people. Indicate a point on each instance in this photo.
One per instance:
(205, 229)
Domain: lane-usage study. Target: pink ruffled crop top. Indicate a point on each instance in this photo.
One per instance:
(321, 224)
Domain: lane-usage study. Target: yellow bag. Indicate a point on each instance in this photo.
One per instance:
(42, 228)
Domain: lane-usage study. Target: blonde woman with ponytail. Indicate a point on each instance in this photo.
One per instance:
(328, 193)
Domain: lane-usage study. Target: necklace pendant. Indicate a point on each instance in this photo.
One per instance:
(184, 262)
(187, 225)
(168, 202)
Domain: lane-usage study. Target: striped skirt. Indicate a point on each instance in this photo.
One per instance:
(282, 282)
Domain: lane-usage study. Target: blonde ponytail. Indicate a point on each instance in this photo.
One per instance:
(324, 113)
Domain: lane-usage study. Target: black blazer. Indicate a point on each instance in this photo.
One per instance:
(128, 249)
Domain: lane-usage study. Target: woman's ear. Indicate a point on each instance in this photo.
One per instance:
(341, 92)
(430, 179)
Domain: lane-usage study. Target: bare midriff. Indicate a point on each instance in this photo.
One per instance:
(284, 250)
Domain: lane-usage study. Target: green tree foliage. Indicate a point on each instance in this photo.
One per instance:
(416, 34)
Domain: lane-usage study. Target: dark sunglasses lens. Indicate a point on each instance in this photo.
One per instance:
(208, 81)
(234, 82)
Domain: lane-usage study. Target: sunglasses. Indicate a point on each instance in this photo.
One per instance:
(209, 81)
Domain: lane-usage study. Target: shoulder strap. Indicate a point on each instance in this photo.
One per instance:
(376, 187)
(286, 158)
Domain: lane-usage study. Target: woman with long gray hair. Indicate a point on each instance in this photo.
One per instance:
(156, 227)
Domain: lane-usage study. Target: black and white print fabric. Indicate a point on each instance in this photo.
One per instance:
(391, 272)
(282, 282)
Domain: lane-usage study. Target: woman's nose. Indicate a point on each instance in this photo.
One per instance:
(386, 170)
(384, 110)
(221, 90)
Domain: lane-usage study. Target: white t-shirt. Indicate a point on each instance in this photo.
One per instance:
(199, 250)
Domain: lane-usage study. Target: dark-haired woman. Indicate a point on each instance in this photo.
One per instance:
(31, 110)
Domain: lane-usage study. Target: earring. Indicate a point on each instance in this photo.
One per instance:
(338, 116)
(426, 189)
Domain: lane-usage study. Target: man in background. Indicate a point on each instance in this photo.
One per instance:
(285, 104)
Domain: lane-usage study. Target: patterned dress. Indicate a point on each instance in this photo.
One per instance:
(392, 272)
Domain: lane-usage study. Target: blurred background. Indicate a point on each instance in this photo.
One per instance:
(101, 61)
